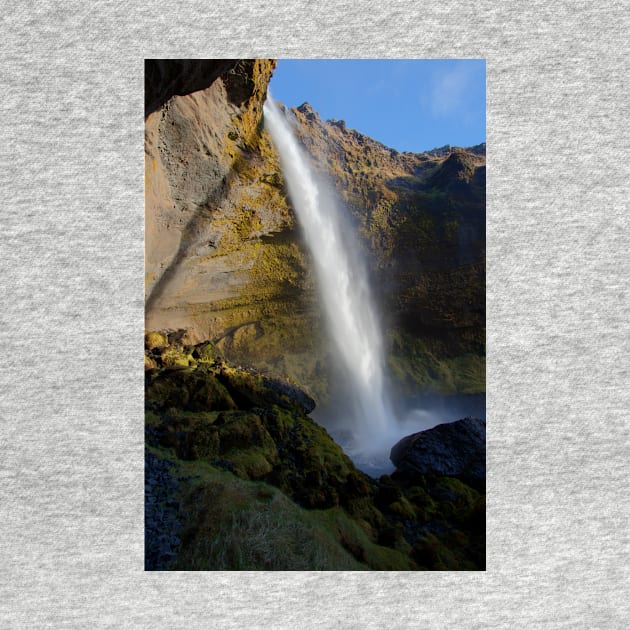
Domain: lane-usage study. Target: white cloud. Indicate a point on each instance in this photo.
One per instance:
(375, 87)
(449, 91)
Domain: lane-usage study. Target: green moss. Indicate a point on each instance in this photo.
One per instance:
(175, 356)
(192, 390)
(200, 443)
(424, 505)
(191, 417)
(418, 368)
(363, 510)
(151, 419)
(279, 262)
(465, 498)
(206, 353)
(240, 525)
(403, 509)
(415, 368)
(451, 551)
(468, 373)
(353, 537)
(246, 444)
(208, 393)
(431, 552)
(250, 464)
(331, 510)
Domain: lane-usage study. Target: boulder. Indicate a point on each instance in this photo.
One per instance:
(250, 389)
(456, 449)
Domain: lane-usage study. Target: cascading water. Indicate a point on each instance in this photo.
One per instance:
(345, 293)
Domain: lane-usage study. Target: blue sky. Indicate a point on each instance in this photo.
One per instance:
(407, 104)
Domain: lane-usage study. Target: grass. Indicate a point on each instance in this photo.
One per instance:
(272, 536)
(238, 525)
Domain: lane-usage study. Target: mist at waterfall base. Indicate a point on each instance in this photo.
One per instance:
(361, 416)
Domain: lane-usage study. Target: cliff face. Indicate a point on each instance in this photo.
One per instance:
(421, 218)
(224, 259)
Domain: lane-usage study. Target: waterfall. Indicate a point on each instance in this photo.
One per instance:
(345, 294)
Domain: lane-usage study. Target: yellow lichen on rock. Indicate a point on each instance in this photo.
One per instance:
(155, 339)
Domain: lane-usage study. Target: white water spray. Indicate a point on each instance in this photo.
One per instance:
(345, 293)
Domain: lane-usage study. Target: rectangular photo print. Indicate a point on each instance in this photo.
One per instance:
(315, 326)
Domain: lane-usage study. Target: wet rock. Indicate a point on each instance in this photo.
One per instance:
(251, 390)
(456, 449)
(162, 514)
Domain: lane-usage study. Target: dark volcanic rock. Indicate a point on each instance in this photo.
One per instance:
(456, 449)
(164, 78)
(162, 514)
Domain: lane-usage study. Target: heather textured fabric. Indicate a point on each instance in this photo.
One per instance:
(71, 386)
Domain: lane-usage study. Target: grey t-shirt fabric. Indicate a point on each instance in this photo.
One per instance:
(71, 397)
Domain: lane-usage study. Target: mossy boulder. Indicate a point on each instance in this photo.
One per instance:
(314, 470)
(457, 500)
(255, 390)
(246, 444)
(194, 390)
(201, 442)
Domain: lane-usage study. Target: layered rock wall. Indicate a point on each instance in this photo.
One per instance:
(224, 259)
